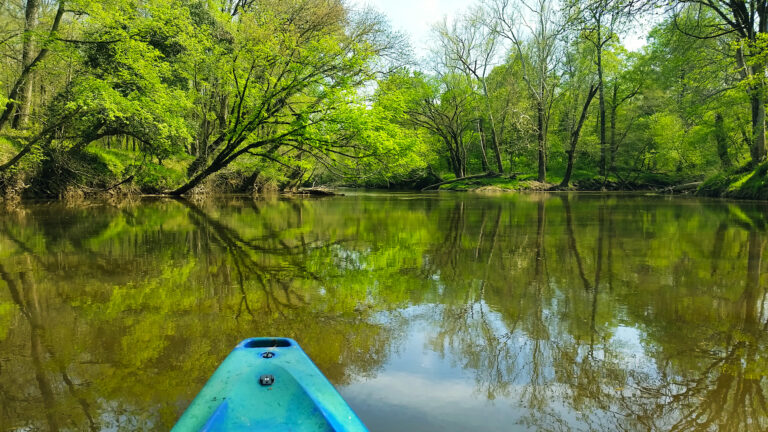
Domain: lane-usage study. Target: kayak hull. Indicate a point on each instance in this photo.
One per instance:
(268, 384)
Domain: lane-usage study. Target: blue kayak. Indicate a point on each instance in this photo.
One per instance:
(268, 384)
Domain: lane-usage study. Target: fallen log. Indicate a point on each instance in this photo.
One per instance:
(129, 179)
(683, 187)
(317, 192)
(436, 185)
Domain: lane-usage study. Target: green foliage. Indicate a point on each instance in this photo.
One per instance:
(316, 91)
(148, 176)
(8, 148)
(157, 178)
(752, 184)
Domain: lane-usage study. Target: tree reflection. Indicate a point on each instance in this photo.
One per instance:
(561, 345)
(729, 391)
(589, 312)
(124, 342)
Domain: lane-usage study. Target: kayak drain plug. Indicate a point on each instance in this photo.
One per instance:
(266, 380)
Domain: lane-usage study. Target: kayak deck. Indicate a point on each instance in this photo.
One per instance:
(268, 384)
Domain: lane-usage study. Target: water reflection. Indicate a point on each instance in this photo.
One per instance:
(542, 312)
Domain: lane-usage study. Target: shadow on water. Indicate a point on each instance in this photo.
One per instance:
(558, 312)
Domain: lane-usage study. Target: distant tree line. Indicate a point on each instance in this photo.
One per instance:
(170, 94)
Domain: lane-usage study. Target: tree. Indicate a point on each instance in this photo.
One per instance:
(577, 77)
(470, 47)
(30, 23)
(599, 21)
(695, 81)
(126, 83)
(539, 56)
(513, 106)
(292, 64)
(748, 22)
(23, 85)
(444, 106)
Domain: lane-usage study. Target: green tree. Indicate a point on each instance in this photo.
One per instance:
(748, 21)
(292, 65)
(469, 47)
(539, 52)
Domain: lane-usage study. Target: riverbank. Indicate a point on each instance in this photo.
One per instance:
(585, 181)
(98, 172)
(743, 183)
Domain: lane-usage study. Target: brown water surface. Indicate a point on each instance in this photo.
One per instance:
(437, 312)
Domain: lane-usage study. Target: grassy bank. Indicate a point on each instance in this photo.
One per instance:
(580, 181)
(744, 183)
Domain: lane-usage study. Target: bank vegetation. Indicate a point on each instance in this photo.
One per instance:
(182, 96)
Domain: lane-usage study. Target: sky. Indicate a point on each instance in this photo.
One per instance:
(416, 17)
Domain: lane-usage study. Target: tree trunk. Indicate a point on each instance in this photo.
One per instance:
(15, 92)
(569, 166)
(541, 136)
(757, 103)
(25, 94)
(612, 143)
(202, 175)
(494, 135)
(222, 116)
(575, 136)
(481, 132)
(495, 140)
(454, 157)
(602, 105)
(757, 148)
(462, 151)
(722, 142)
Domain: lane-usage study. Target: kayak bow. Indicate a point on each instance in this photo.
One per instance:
(268, 384)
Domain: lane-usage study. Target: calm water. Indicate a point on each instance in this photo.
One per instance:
(433, 312)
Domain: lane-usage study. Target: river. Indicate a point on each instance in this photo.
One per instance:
(429, 312)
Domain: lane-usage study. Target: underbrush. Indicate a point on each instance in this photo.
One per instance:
(743, 183)
(580, 180)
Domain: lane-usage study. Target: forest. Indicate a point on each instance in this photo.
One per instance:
(182, 96)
